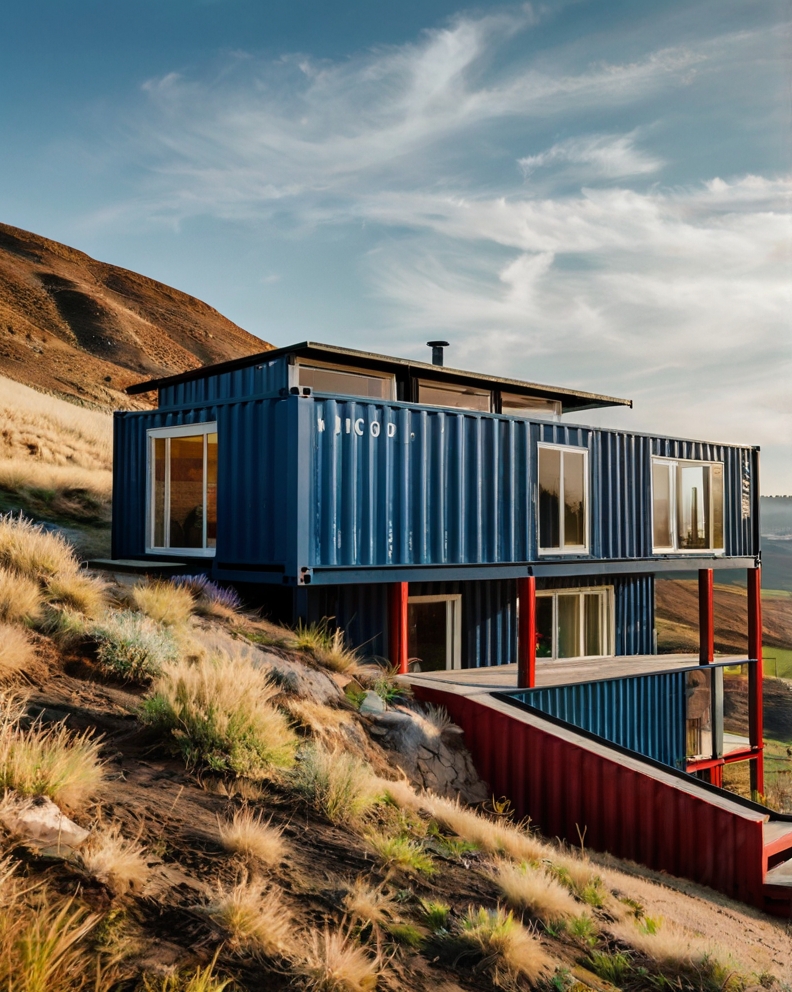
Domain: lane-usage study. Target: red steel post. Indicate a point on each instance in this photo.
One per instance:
(706, 624)
(755, 675)
(526, 636)
(397, 624)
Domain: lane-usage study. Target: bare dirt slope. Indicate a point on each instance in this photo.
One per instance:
(80, 328)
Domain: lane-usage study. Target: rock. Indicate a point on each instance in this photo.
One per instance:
(372, 703)
(39, 822)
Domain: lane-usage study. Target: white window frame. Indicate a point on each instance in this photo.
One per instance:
(185, 430)
(459, 388)
(453, 624)
(577, 549)
(310, 363)
(607, 614)
(674, 548)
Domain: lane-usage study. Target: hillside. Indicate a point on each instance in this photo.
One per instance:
(76, 327)
(248, 814)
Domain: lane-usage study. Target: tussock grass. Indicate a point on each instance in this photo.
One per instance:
(333, 962)
(217, 714)
(117, 861)
(134, 647)
(165, 602)
(20, 597)
(46, 760)
(397, 851)
(32, 551)
(513, 952)
(327, 646)
(323, 720)
(338, 784)
(78, 592)
(249, 834)
(255, 917)
(200, 980)
(613, 966)
(17, 653)
(370, 905)
(532, 889)
(435, 913)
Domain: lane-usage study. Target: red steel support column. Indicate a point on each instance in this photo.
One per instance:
(706, 625)
(755, 674)
(526, 637)
(397, 626)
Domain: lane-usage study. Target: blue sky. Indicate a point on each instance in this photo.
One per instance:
(590, 193)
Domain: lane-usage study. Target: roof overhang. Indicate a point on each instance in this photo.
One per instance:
(571, 399)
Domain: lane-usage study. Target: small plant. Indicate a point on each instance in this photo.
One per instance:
(338, 784)
(46, 760)
(384, 681)
(133, 647)
(210, 598)
(613, 966)
(333, 962)
(113, 859)
(533, 889)
(20, 598)
(217, 714)
(16, 652)
(255, 917)
(200, 980)
(407, 933)
(513, 952)
(449, 847)
(436, 914)
(370, 905)
(164, 602)
(326, 645)
(649, 924)
(400, 852)
(77, 592)
(251, 835)
(582, 928)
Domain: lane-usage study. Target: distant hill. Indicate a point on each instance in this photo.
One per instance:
(85, 330)
(776, 517)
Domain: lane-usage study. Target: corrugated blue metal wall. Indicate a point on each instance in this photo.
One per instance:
(266, 379)
(489, 614)
(645, 713)
(395, 485)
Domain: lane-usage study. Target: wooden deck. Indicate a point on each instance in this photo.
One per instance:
(562, 672)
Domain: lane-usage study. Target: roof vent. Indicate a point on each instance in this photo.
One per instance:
(437, 351)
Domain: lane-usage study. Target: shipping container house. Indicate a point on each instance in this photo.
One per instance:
(443, 519)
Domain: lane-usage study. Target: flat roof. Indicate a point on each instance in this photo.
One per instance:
(571, 399)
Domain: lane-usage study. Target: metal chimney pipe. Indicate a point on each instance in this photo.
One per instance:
(437, 351)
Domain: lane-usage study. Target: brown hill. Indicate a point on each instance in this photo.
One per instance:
(86, 330)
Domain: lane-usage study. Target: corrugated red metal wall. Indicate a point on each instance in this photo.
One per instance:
(568, 786)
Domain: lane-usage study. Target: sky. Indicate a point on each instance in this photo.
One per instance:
(589, 193)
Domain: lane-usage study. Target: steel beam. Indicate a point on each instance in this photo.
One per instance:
(755, 675)
(526, 636)
(397, 626)
(706, 623)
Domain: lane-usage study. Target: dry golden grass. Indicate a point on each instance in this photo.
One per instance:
(115, 860)
(370, 905)
(46, 760)
(532, 889)
(79, 592)
(323, 720)
(678, 952)
(20, 597)
(338, 784)
(249, 834)
(255, 917)
(326, 644)
(200, 980)
(19, 474)
(218, 715)
(17, 654)
(513, 951)
(164, 602)
(34, 552)
(333, 962)
(56, 431)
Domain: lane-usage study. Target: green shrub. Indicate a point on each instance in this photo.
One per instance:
(132, 646)
(337, 784)
(613, 967)
(400, 852)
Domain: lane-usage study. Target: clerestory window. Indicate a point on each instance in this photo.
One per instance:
(182, 465)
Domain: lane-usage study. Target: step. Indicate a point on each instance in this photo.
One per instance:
(777, 890)
(777, 836)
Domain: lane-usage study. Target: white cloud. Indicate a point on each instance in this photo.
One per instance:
(609, 155)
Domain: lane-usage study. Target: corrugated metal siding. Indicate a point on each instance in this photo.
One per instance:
(453, 487)
(256, 380)
(645, 713)
(360, 611)
(568, 785)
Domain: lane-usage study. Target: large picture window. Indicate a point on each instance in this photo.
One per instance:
(563, 499)
(687, 505)
(574, 623)
(342, 381)
(183, 489)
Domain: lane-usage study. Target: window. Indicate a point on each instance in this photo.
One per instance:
(563, 498)
(574, 623)
(454, 395)
(347, 382)
(687, 505)
(434, 632)
(514, 405)
(183, 489)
